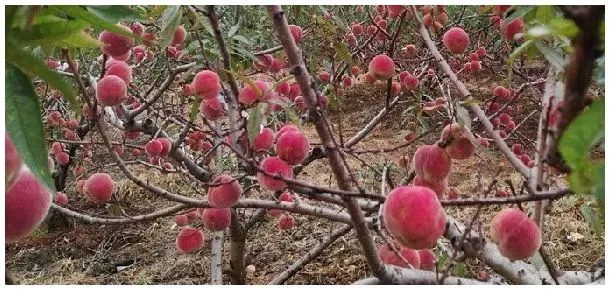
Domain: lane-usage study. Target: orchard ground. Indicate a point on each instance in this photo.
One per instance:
(145, 253)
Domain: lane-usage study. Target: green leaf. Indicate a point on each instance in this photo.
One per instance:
(292, 116)
(582, 134)
(564, 27)
(600, 190)
(50, 27)
(169, 22)
(234, 29)
(255, 118)
(115, 13)
(544, 13)
(157, 11)
(591, 217)
(194, 109)
(343, 52)
(78, 39)
(519, 50)
(551, 55)
(34, 66)
(83, 14)
(24, 123)
(520, 12)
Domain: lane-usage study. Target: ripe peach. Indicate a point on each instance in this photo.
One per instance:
(62, 158)
(517, 149)
(440, 188)
(387, 256)
(132, 135)
(53, 63)
(481, 51)
(189, 240)
(99, 187)
(410, 82)
(442, 18)
(475, 66)
(357, 29)
(296, 31)
(263, 62)
(286, 222)
(355, 70)
(192, 215)
(511, 125)
(137, 28)
(525, 158)
(517, 236)
(460, 147)
(172, 52)
(120, 69)
(381, 67)
(369, 79)
(153, 147)
(72, 123)
(500, 9)
(115, 44)
(166, 145)
(514, 27)
(324, 76)
(347, 81)
(295, 90)
(414, 216)
(78, 170)
(504, 118)
(274, 166)
(432, 163)
(61, 198)
(80, 185)
(261, 91)
(427, 259)
(124, 57)
(502, 193)
(396, 88)
(56, 147)
(502, 134)
(215, 219)
(410, 49)
(427, 20)
(501, 92)
(179, 36)
(283, 88)
(456, 40)
(483, 142)
(212, 109)
(299, 103)
(26, 205)
(292, 147)
(206, 84)
(111, 90)
(276, 66)
(182, 220)
(264, 140)
(225, 192)
(283, 130)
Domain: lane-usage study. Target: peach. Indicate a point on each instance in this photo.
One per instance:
(276, 65)
(139, 52)
(153, 147)
(410, 82)
(396, 88)
(355, 70)
(395, 10)
(381, 67)
(440, 188)
(132, 135)
(369, 79)
(296, 31)
(78, 170)
(525, 158)
(517, 149)
(513, 28)
(502, 193)
(179, 36)
(115, 44)
(324, 76)
(261, 91)
(456, 40)
(224, 192)
(517, 236)
(410, 49)
(215, 219)
(149, 39)
(481, 51)
(172, 52)
(166, 146)
(500, 9)
(120, 69)
(432, 163)
(168, 166)
(504, 118)
(264, 140)
(12, 161)
(263, 62)
(61, 198)
(442, 18)
(137, 28)
(387, 256)
(357, 29)
(414, 216)
(99, 188)
(475, 66)
(182, 220)
(111, 90)
(283, 88)
(427, 20)
(62, 158)
(26, 204)
(286, 222)
(323, 101)
(501, 92)
(295, 90)
(483, 142)
(124, 57)
(212, 109)
(53, 63)
(192, 215)
(189, 240)
(274, 166)
(460, 147)
(427, 260)
(206, 84)
(136, 152)
(299, 103)
(502, 134)
(72, 123)
(283, 130)
(511, 125)
(80, 185)
(292, 147)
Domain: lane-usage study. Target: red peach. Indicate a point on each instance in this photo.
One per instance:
(299, 103)
(111, 90)
(189, 240)
(432, 163)
(26, 204)
(137, 28)
(381, 67)
(414, 216)
(514, 27)
(120, 69)
(99, 187)
(212, 109)
(166, 146)
(517, 236)
(456, 40)
(355, 70)
(264, 140)
(274, 166)
(215, 219)
(62, 158)
(357, 29)
(260, 91)
(296, 31)
(324, 76)
(206, 84)
(286, 222)
(460, 146)
(387, 256)
(283, 88)
(153, 147)
(179, 36)
(225, 192)
(292, 147)
(61, 198)
(427, 259)
(182, 220)
(115, 44)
